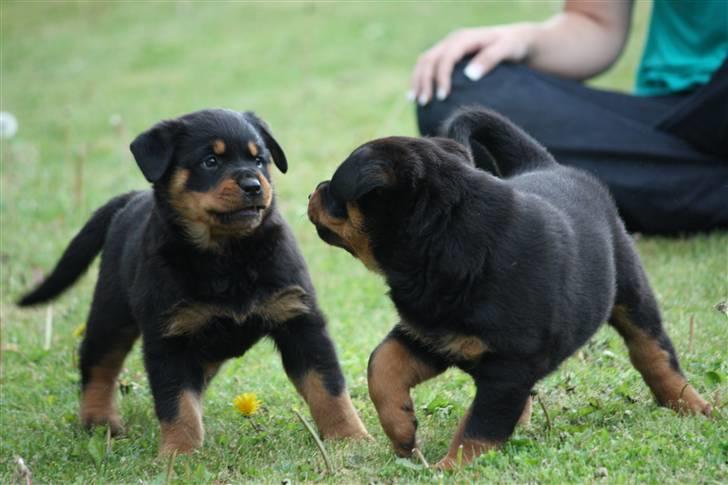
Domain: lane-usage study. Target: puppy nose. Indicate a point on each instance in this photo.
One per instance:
(250, 185)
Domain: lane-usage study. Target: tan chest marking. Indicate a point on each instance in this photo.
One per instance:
(465, 347)
(281, 306)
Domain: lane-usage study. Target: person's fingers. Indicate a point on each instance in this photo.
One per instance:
(460, 47)
(434, 67)
(424, 93)
(414, 81)
(424, 73)
(486, 60)
(417, 82)
(443, 72)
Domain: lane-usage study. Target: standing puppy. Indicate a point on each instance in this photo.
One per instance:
(502, 277)
(202, 266)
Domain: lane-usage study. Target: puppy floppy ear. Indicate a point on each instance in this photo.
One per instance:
(358, 176)
(153, 149)
(279, 158)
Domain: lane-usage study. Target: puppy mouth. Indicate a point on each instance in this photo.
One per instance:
(238, 215)
(331, 238)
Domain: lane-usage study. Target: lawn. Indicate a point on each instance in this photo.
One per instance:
(84, 78)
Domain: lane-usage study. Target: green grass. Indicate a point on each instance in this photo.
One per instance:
(327, 77)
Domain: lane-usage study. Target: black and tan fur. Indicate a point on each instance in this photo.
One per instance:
(202, 267)
(500, 262)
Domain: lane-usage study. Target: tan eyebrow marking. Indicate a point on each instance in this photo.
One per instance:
(218, 146)
(253, 148)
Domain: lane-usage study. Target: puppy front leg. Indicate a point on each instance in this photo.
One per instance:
(501, 400)
(396, 366)
(177, 380)
(310, 361)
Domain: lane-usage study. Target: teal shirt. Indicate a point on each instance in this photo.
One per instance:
(686, 43)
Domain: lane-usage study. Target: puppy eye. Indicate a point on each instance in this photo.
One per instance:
(259, 162)
(210, 162)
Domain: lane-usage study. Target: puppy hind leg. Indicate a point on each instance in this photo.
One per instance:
(654, 356)
(395, 367)
(636, 317)
(103, 351)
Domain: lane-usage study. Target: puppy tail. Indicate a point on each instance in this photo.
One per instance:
(79, 254)
(497, 145)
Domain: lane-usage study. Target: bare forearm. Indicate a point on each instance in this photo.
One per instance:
(578, 43)
(582, 41)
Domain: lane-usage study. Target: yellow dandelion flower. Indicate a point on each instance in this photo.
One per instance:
(79, 331)
(247, 403)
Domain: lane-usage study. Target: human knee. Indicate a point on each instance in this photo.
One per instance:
(494, 90)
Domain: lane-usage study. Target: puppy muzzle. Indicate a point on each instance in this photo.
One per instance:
(323, 208)
(253, 198)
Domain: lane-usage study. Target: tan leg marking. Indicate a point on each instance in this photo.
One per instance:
(185, 433)
(393, 371)
(210, 370)
(669, 387)
(335, 416)
(471, 448)
(98, 397)
(525, 419)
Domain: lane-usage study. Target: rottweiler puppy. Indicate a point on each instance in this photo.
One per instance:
(500, 262)
(202, 266)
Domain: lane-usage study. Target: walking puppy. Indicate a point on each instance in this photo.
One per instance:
(504, 277)
(202, 266)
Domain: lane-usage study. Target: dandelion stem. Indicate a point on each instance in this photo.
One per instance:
(420, 457)
(546, 413)
(327, 461)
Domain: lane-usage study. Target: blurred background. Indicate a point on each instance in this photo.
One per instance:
(84, 78)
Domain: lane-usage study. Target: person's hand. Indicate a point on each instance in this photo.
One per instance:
(491, 45)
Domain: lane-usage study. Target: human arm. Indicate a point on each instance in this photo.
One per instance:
(577, 43)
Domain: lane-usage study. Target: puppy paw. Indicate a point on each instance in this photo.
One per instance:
(401, 428)
(90, 420)
(690, 402)
(445, 463)
(352, 429)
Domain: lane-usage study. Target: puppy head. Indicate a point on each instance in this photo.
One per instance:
(374, 190)
(211, 168)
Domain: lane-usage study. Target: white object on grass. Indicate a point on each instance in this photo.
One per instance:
(8, 125)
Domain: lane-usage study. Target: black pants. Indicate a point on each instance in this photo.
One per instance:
(665, 159)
